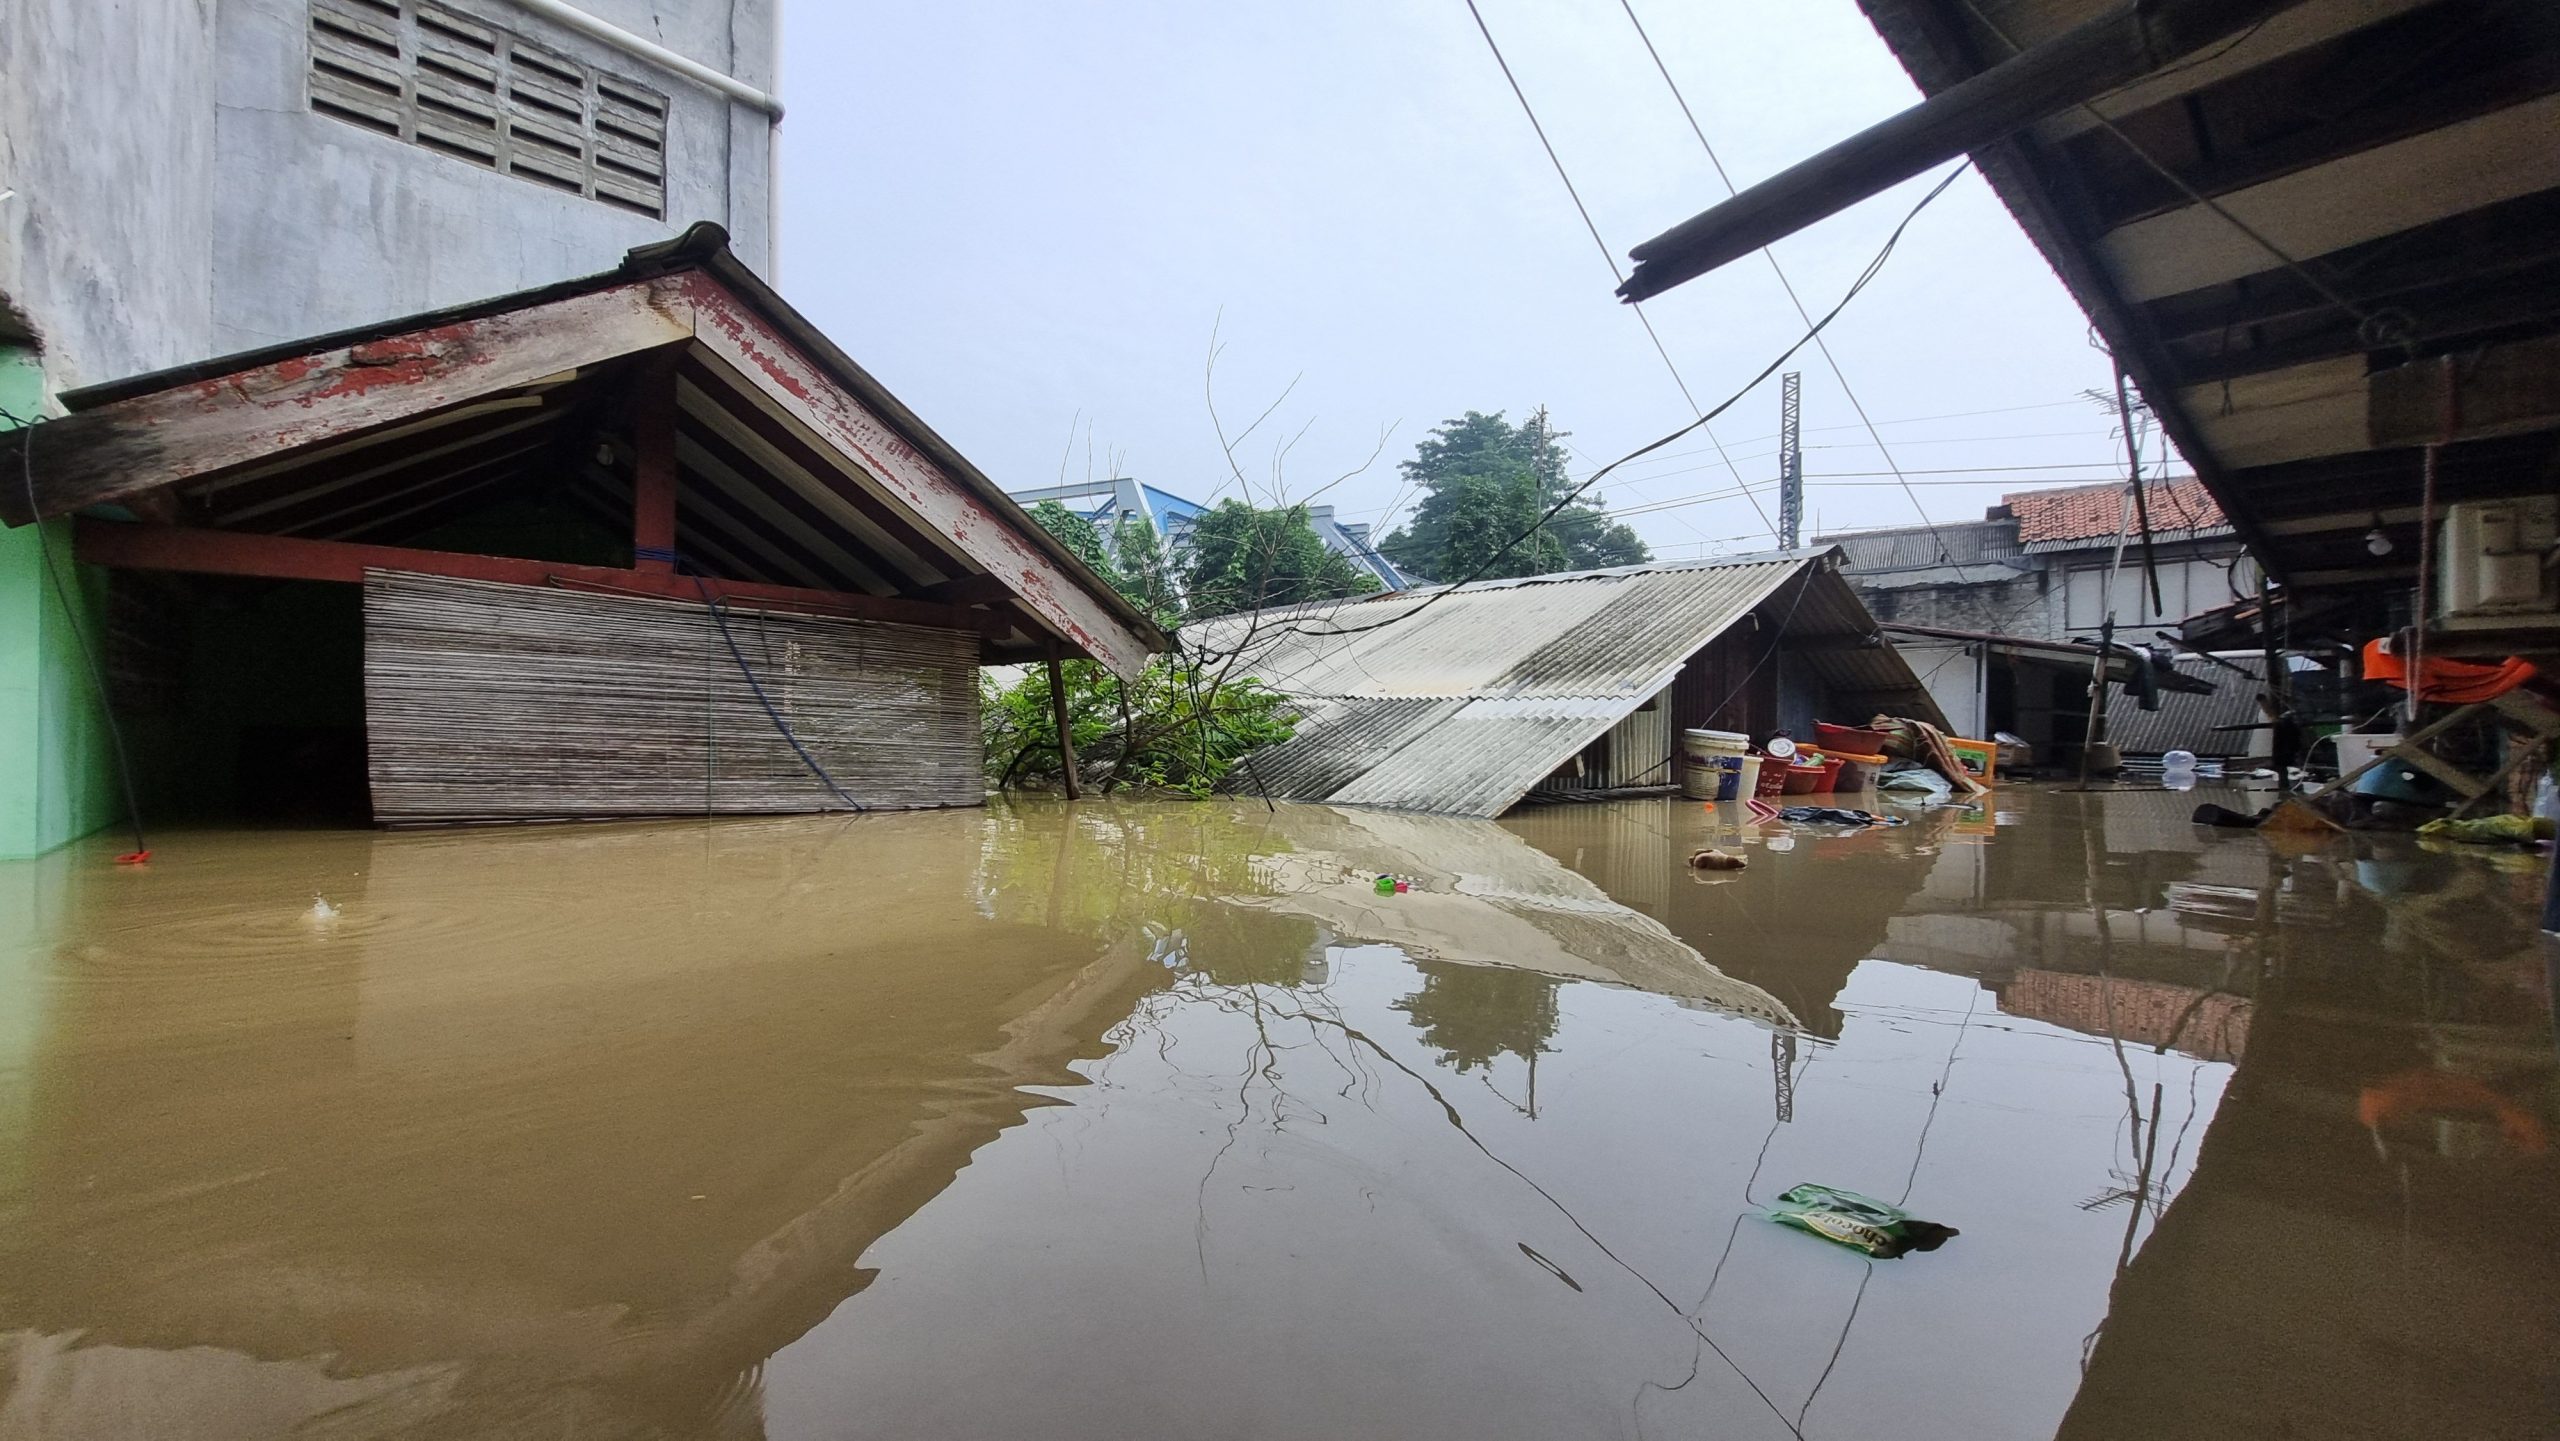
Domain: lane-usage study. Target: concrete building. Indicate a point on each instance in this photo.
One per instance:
(1997, 615)
(188, 178)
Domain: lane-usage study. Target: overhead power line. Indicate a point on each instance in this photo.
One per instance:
(1865, 278)
(1608, 255)
(1771, 255)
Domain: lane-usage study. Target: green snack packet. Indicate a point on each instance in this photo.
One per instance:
(1861, 1223)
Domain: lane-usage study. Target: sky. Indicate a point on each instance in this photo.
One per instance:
(1030, 221)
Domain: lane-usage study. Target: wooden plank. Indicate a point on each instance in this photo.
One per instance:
(2352, 199)
(279, 557)
(487, 701)
(2508, 389)
(2293, 31)
(2123, 42)
(2281, 415)
(653, 468)
(806, 393)
(201, 428)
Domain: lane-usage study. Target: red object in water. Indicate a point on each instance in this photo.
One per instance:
(1804, 780)
(1773, 777)
(1402, 887)
(133, 858)
(1830, 774)
(1829, 738)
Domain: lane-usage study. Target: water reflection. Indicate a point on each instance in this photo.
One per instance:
(1151, 1120)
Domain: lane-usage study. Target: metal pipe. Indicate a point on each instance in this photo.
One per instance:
(569, 17)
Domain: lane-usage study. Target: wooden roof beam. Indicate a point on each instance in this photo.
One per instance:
(202, 428)
(276, 557)
(2126, 42)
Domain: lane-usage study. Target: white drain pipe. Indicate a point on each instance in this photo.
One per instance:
(569, 17)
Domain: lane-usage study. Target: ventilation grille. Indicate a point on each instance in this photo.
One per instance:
(438, 78)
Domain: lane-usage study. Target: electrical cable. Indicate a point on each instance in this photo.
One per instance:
(1610, 256)
(719, 618)
(1866, 277)
(141, 851)
(1770, 254)
(2364, 319)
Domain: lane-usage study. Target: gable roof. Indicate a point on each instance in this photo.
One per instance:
(797, 468)
(1460, 699)
(2092, 514)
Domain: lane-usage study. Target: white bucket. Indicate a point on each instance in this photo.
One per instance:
(1713, 762)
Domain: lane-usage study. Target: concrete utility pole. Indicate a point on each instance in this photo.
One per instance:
(1790, 459)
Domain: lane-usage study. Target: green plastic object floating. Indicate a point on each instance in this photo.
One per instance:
(1861, 1223)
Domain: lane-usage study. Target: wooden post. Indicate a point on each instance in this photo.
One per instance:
(1066, 732)
(653, 468)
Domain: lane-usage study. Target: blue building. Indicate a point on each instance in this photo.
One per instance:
(1108, 502)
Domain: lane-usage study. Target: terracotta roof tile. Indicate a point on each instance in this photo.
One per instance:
(2092, 512)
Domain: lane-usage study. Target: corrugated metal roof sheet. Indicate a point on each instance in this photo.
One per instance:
(1971, 542)
(1458, 700)
(2193, 722)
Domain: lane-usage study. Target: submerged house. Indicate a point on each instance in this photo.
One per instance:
(1463, 700)
(642, 543)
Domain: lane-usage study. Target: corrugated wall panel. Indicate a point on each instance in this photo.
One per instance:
(508, 702)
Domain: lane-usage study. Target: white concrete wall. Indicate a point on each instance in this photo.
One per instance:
(320, 225)
(176, 197)
(1954, 679)
(107, 140)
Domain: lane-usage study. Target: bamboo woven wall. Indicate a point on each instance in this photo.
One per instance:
(487, 701)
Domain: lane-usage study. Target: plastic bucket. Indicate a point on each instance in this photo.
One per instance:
(1773, 777)
(1830, 774)
(1749, 783)
(1804, 780)
(1851, 740)
(1705, 776)
(1702, 743)
(1711, 778)
(1857, 772)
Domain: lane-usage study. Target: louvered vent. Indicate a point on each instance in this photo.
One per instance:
(439, 78)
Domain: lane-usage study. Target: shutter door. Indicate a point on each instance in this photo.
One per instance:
(488, 701)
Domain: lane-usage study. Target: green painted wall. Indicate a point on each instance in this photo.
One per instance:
(57, 763)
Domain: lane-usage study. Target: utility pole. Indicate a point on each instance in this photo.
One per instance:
(1790, 460)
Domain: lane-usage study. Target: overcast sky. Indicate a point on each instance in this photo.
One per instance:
(1025, 219)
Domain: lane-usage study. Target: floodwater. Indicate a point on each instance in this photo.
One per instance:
(1159, 1121)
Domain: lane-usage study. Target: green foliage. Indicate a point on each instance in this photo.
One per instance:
(1247, 558)
(1076, 532)
(1174, 728)
(1134, 561)
(1144, 573)
(1484, 482)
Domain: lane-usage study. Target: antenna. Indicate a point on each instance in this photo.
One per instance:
(1790, 459)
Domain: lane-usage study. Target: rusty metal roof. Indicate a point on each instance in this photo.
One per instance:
(1457, 700)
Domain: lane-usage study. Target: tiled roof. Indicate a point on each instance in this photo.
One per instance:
(2094, 512)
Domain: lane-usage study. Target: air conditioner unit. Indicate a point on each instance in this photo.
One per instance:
(2495, 562)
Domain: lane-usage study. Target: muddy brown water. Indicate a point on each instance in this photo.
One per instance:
(1159, 1121)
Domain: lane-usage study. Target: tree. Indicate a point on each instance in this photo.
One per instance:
(1134, 561)
(1144, 572)
(1471, 1014)
(1075, 532)
(1485, 482)
(1244, 557)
